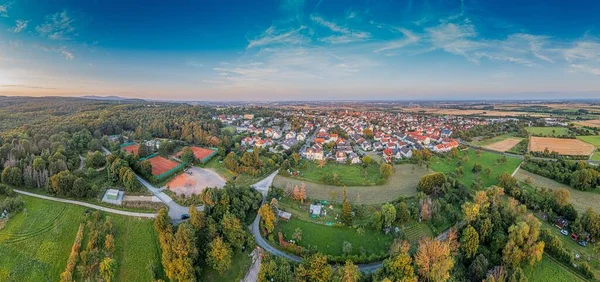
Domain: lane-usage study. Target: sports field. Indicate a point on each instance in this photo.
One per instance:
(35, 244)
(403, 182)
(581, 200)
(199, 153)
(132, 149)
(548, 130)
(504, 145)
(486, 159)
(161, 165)
(568, 147)
(194, 181)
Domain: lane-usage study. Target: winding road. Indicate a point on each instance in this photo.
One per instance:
(105, 209)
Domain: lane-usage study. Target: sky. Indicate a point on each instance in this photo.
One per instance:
(301, 50)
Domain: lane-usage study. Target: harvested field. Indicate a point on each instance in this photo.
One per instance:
(199, 153)
(132, 149)
(568, 147)
(504, 145)
(581, 200)
(460, 112)
(161, 165)
(199, 179)
(590, 123)
(403, 182)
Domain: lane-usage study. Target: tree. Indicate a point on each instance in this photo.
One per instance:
(399, 267)
(402, 213)
(346, 248)
(314, 268)
(146, 168)
(302, 192)
(268, 217)
(95, 160)
(62, 183)
(346, 216)
(469, 241)
(233, 231)
(431, 182)
(471, 211)
(478, 268)
(196, 218)
(349, 273)
(434, 260)
(80, 188)
(297, 234)
(477, 167)
(561, 197)
(219, 255)
(386, 170)
(187, 156)
(523, 245)
(388, 212)
(12, 176)
(185, 253)
(367, 160)
(108, 268)
(109, 243)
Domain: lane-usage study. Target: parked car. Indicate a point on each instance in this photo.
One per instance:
(583, 243)
(185, 216)
(564, 232)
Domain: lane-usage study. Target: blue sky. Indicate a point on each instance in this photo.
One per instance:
(301, 50)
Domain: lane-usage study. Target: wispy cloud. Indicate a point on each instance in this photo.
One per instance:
(62, 50)
(456, 39)
(272, 36)
(194, 63)
(4, 9)
(584, 56)
(409, 38)
(58, 26)
(20, 25)
(343, 34)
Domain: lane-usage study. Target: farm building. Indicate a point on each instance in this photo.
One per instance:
(284, 215)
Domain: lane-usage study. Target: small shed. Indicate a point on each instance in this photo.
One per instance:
(112, 194)
(284, 215)
(315, 210)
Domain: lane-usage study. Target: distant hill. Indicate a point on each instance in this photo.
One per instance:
(111, 98)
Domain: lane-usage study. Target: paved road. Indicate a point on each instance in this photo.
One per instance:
(105, 209)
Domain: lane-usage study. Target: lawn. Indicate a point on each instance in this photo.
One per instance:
(329, 240)
(596, 156)
(492, 140)
(216, 165)
(240, 263)
(550, 270)
(548, 130)
(403, 182)
(35, 244)
(581, 200)
(448, 164)
(349, 175)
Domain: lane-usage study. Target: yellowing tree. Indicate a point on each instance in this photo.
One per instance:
(219, 255)
(469, 241)
(471, 211)
(434, 260)
(268, 217)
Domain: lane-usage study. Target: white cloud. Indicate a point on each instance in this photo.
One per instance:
(346, 35)
(456, 39)
(4, 9)
(409, 38)
(62, 50)
(584, 56)
(194, 63)
(59, 26)
(20, 25)
(272, 36)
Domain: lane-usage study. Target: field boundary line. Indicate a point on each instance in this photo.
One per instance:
(88, 205)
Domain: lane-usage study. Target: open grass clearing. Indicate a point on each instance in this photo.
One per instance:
(35, 244)
(448, 164)
(403, 182)
(349, 175)
(547, 130)
(329, 240)
(240, 263)
(504, 145)
(592, 139)
(550, 270)
(581, 200)
(485, 142)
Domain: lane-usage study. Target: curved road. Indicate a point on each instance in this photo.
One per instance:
(263, 187)
(105, 209)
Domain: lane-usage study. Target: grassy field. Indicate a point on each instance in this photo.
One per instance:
(403, 182)
(550, 270)
(594, 140)
(547, 130)
(581, 200)
(242, 179)
(417, 231)
(486, 159)
(349, 175)
(240, 263)
(498, 138)
(35, 244)
(329, 240)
